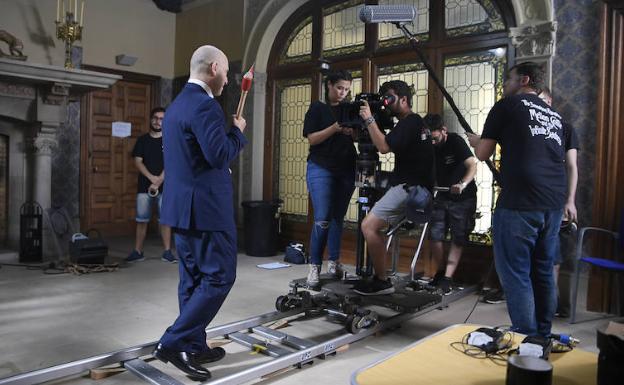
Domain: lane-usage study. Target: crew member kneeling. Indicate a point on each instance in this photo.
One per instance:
(411, 144)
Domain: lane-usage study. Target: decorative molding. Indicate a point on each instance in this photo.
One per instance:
(57, 94)
(534, 40)
(42, 144)
(41, 73)
(20, 91)
(533, 10)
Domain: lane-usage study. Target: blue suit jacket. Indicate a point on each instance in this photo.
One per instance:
(198, 149)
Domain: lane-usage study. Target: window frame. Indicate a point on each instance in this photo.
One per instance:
(436, 49)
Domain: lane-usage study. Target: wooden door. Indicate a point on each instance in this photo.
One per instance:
(109, 177)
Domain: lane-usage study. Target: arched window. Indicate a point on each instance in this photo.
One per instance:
(464, 40)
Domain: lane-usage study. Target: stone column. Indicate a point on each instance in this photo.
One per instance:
(41, 148)
(535, 42)
(254, 170)
(51, 113)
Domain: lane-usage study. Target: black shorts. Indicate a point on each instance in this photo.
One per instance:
(456, 216)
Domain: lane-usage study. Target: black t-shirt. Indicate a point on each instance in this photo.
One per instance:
(450, 168)
(413, 152)
(532, 142)
(571, 140)
(151, 150)
(336, 153)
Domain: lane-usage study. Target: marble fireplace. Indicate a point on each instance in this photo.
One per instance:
(34, 102)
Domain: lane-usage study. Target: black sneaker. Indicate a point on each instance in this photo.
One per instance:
(436, 278)
(445, 284)
(494, 296)
(374, 287)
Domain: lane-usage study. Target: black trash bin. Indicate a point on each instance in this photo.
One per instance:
(261, 227)
(31, 233)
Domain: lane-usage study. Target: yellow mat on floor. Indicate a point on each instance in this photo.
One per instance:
(433, 361)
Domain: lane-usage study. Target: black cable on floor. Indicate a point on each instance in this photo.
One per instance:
(487, 276)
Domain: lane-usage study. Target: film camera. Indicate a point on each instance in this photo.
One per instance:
(348, 115)
(349, 112)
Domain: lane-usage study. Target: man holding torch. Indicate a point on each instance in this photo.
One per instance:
(198, 205)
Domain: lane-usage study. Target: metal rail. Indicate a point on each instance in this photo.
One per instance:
(283, 358)
(80, 366)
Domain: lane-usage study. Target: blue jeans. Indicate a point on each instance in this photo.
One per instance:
(525, 246)
(144, 204)
(330, 194)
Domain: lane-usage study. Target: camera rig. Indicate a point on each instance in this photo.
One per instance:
(370, 181)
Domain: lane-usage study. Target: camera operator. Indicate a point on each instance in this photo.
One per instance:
(330, 174)
(411, 144)
(455, 167)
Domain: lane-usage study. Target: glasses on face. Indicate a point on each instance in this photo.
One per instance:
(157, 118)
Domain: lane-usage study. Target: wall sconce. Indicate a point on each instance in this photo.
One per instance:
(125, 60)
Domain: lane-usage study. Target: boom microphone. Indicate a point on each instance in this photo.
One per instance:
(387, 13)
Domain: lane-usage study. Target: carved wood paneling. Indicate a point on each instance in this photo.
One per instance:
(609, 182)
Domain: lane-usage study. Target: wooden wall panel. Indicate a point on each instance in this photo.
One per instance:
(608, 203)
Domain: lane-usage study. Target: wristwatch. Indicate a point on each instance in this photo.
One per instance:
(369, 120)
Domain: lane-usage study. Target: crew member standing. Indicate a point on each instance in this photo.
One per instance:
(330, 174)
(453, 210)
(148, 159)
(198, 206)
(530, 206)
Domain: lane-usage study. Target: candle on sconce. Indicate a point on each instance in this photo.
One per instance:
(75, 9)
(63, 13)
(58, 10)
(82, 13)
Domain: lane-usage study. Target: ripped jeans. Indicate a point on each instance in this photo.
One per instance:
(330, 194)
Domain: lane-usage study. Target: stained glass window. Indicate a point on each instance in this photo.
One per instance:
(294, 100)
(343, 32)
(331, 32)
(465, 17)
(475, 83)
(299, 45)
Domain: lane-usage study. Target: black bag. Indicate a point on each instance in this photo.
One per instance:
(85, 250)
(295, 254)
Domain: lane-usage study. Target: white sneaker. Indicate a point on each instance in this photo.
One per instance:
(335, 268)
(313, 275)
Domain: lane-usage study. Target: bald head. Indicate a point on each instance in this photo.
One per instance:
(210, 65)
(203, 57)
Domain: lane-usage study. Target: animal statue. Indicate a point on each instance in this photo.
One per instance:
(15, 46)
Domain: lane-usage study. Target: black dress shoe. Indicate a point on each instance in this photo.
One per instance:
(183, 361)
(211, 355)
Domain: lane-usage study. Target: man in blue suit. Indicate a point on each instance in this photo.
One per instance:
(198, 148)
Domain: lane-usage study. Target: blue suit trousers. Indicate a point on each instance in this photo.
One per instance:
(207, 263)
